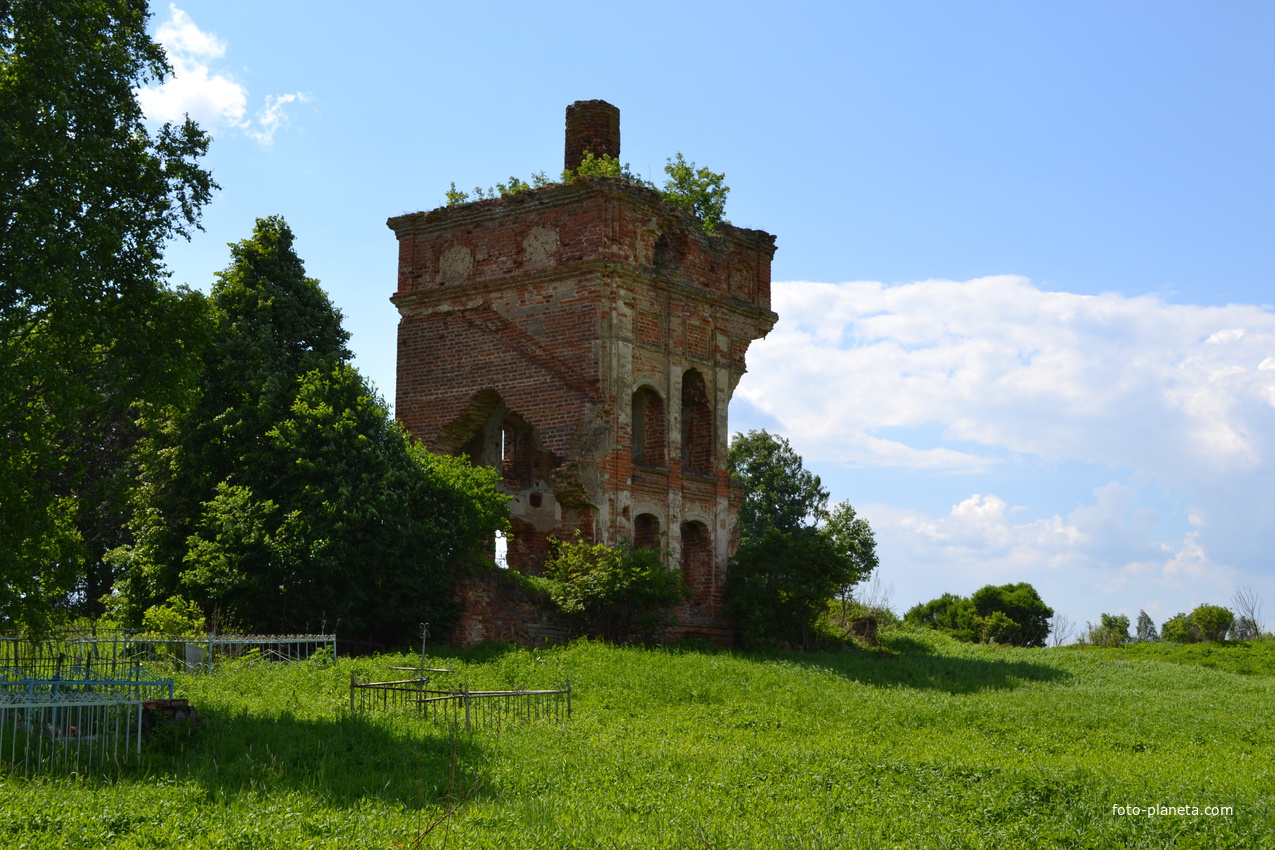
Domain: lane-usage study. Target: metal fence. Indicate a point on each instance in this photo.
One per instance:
(74, 656)
(456, 706)
(67, 730)
(205, 652)
(124, 654)
(77, 666)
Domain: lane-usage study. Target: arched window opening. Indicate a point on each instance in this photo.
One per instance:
(648, 428)
(517, 452)
(697, 559)
(697, 425)
(508, 443)
(646, 532)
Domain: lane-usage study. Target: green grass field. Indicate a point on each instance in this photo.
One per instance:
(933, 744)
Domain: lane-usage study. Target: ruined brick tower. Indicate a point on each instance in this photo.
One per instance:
(586, 338)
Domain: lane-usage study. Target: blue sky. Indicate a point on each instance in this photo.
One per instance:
(1025, 252)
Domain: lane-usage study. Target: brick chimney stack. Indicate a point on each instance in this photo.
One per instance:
(592, 125)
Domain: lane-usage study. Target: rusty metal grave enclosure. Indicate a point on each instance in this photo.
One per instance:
(454, 708)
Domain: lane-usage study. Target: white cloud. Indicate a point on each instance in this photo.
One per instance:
(1099, 557)
(212, 98)
(994, 377)
(1133, 383)
(1223, 337)
(270, 119)
(183, 39)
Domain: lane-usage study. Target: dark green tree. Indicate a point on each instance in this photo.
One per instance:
(852, 539)
(1178, 629)
(1205, 623)
(1006, 614)
(948, 613)
(88, 198)
(1212, 622)
(285, 498)
(794, 556)
(779, 492)
(779, 584)
(1023, 606)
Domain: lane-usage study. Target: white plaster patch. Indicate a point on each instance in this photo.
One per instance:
(541, 246)
(455, 265)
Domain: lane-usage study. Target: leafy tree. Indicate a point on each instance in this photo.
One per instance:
(1205, 623)
(1178, 629)
(779, 492)
(1146, 629)
(285, 497)
(794, 555)
(948, 613)
(176, 618)
(1212, 622)
(780, 582)
(88, 198)
(1112, 630)
(619, 593)
(1023, 606)
(1006, 614)
(853, 540)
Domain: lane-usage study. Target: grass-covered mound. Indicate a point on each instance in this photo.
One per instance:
(1248, 658)
(933, 743)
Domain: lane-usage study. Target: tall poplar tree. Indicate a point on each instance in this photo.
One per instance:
(88, 327)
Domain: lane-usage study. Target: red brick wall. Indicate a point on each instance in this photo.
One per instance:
(594, 126)
(560, 303)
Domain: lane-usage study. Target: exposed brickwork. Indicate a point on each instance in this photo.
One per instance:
(650, 438)
(646, 531)
(586, 339)
(502, 611)
(594, 126)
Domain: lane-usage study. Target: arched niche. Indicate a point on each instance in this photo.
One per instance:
(697, 559)
(649, 436)
(697, 425)
(646, 531)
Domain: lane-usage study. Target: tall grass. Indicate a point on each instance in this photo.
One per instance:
(931, 744)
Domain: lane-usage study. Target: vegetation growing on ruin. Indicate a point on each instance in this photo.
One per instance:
(619, 593)
(927, 743)
(697, 190)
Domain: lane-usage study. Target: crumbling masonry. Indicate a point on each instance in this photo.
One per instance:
(585, 338)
